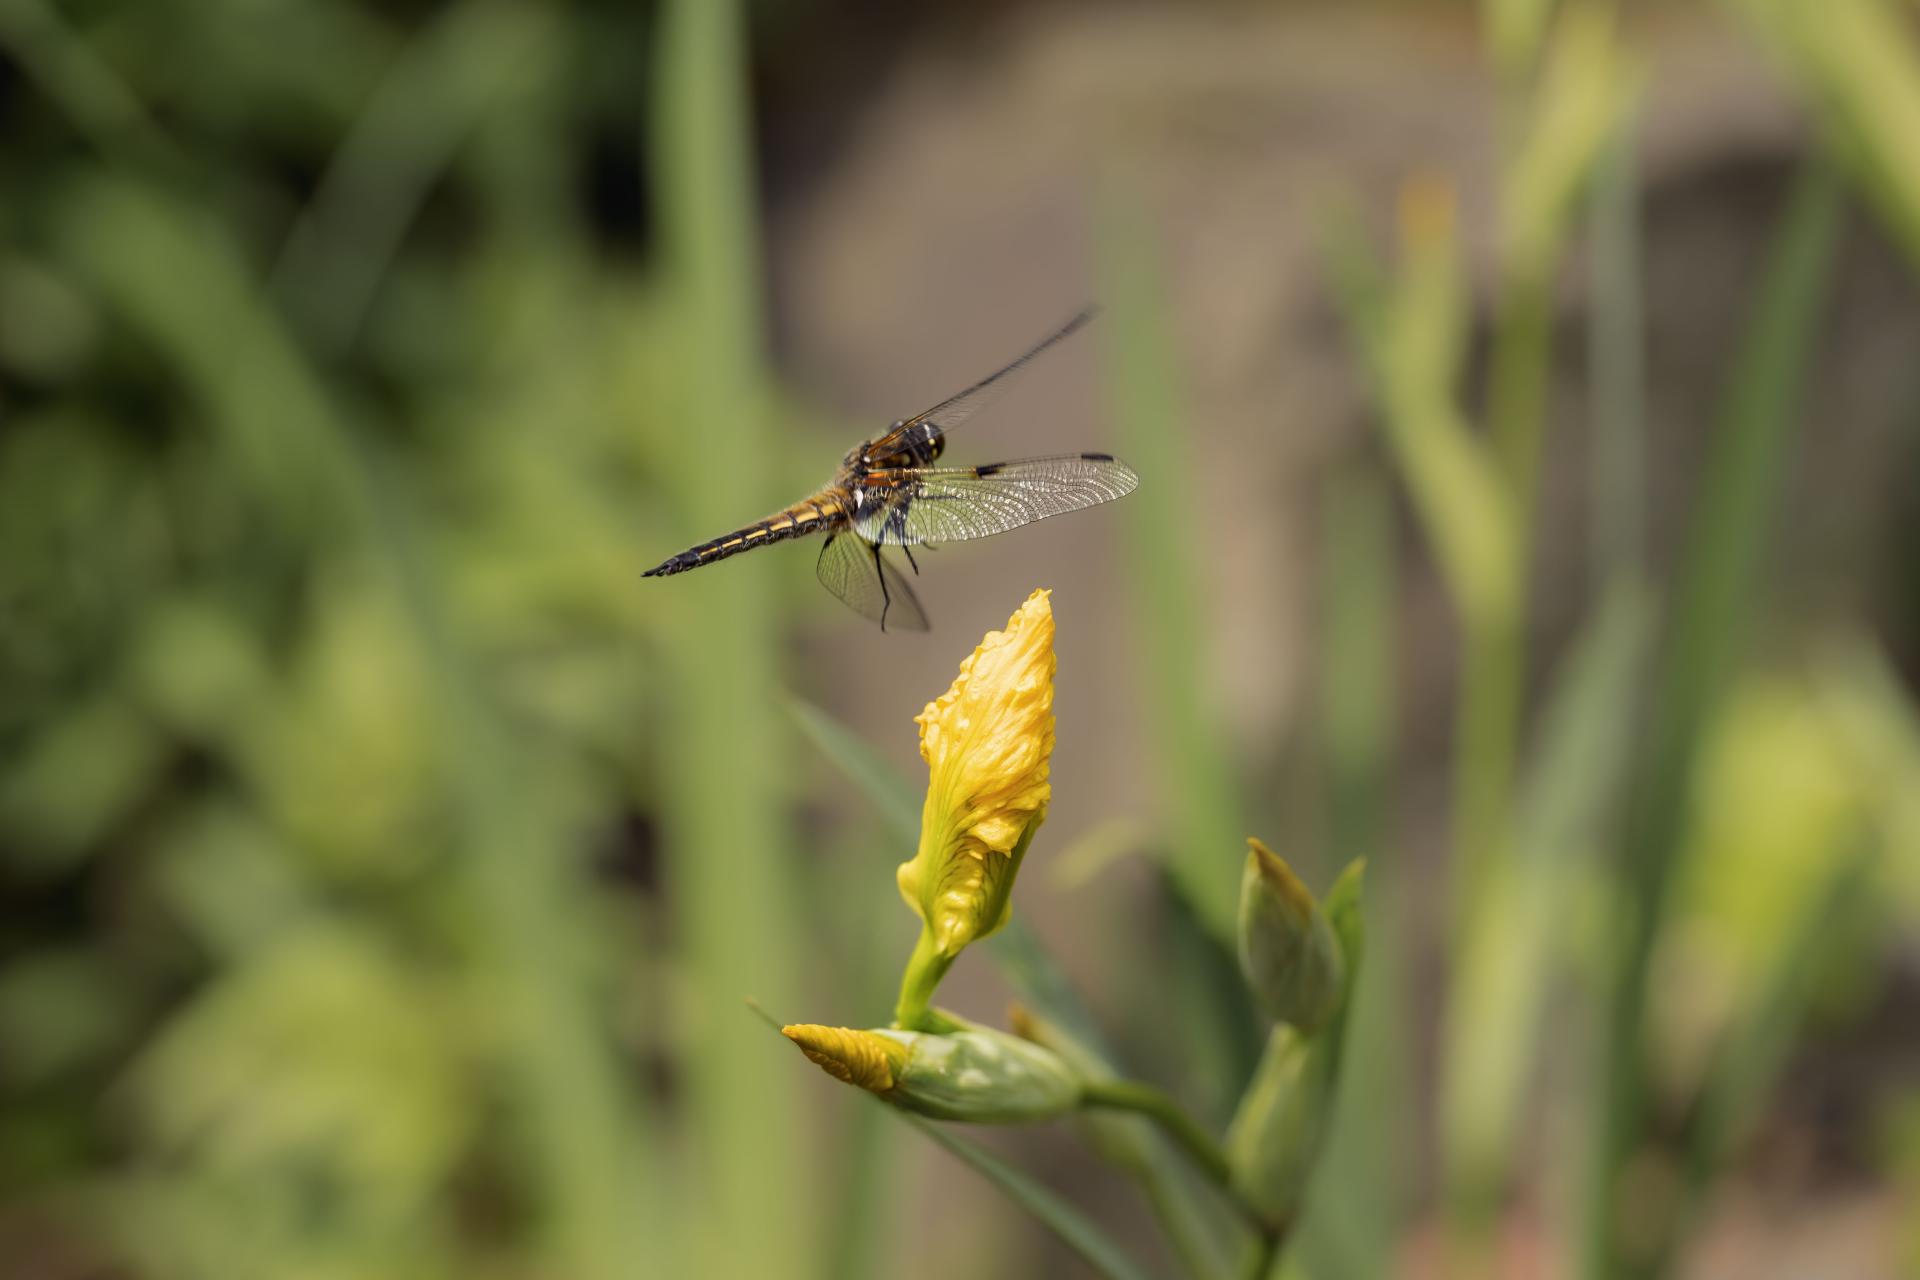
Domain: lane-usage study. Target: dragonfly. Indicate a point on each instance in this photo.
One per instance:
(887, 493)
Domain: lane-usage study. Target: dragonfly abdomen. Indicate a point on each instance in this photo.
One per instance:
(822, 511)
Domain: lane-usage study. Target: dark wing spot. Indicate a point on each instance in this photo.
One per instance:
(990, 469)
(1097, 457)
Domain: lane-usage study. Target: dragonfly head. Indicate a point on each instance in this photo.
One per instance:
(924, 442)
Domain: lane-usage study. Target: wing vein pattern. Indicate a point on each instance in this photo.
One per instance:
(866, 581)
(954, 504)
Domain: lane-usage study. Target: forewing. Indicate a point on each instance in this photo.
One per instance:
(956, 409)
(953, 504)
(868, 583)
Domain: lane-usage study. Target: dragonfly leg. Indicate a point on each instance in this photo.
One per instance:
(886, 598)
(908, 552)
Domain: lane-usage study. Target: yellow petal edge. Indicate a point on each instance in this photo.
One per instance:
(987, 742)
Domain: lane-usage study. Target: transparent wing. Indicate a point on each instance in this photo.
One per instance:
(855, 571)
(956, 409)
(952, 504)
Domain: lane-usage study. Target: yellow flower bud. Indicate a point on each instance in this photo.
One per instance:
(974, 1074)
(1289, 953)
(866, 1059)
(987, 742)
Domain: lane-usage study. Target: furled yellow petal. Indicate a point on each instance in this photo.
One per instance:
(866, 1059)
(969, 1073)
(987, 742)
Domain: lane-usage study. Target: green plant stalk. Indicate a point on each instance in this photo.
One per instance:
(1348, 1224)
(1713, 609)
(727, 854)
(1517, 385)
(924, 970)
(1357, 692)
(1261, 1253)
(1486, 740)
(1198, 1145)
(1508, 967)
(1860, 73)
(1194, 1142)
(1616, 355)
(1205, 825)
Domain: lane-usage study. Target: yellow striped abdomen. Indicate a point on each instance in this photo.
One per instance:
(823, 510)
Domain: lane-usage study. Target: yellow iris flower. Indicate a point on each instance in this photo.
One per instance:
(987, 742)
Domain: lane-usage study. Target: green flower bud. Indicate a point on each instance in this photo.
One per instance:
(1289, 953)
(1121, 1140)
(1276, 1133)
(1342, 908)
(974, 1074)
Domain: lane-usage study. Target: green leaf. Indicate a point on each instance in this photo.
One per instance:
(1509, 958)
(1205, 827)
(1713, 610)
(1072, 1228)
(727, 847)
(891, 794)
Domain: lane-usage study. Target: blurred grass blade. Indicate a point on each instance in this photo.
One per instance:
(1204, 824)
(1584, 88)
(100, 104)
(1414, 336)
(1858, 61)
(1713, 607)
(185, 288)
(1456, 486)
(890, 793)
(425, 106)
(1355, 1206)
(1073, 1229)
(1616, 357)
(1358, 686)
(1510, 963)
(1514, 30)
(726, 848)
(1742, 477)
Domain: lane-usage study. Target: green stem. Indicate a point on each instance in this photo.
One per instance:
(1487, 723)
(1517, 384)
(1713, 607)
(1131, 1095)
(924, 970)
(1617, 402)
(1261, 1252)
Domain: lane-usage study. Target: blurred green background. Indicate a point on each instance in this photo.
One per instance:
(1525, 400)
